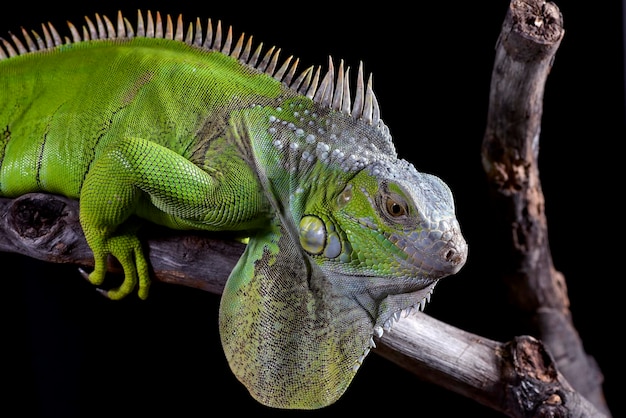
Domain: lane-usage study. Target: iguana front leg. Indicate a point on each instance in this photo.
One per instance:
(136, 176)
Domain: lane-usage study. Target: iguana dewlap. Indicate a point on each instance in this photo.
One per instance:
(193, 129)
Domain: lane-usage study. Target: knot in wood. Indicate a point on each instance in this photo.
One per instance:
(34, 216)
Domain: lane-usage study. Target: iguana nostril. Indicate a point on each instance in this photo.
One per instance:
(456, 256)
(451, 255)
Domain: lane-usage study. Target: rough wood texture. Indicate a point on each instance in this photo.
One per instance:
(521, 378)
(530, 36)
(46, 227)
(518, 378)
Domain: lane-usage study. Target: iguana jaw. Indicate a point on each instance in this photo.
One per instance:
(395, 307)
(392, 310)
(383, 299)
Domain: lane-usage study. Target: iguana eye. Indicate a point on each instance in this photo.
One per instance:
(394, 207)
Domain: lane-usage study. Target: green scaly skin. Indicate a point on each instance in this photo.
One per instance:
(198, 134)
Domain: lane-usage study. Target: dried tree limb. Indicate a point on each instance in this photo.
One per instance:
(518, 378)
(530, 36)
(498, 375)
(46, 227)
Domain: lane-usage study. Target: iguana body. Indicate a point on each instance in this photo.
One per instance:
(200, 132)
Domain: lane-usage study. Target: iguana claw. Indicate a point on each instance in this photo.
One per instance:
(85, 276)
(83, 273)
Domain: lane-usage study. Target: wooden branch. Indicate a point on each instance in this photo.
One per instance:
(518, 378)
(46, 227)
(530, 36)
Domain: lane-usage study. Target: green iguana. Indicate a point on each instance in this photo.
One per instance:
(191, 129)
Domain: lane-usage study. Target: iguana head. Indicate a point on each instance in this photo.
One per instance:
(389, 235)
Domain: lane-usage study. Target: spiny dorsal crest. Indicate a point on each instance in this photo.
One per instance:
(326, 91)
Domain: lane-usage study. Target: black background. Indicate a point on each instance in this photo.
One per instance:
(69, 352)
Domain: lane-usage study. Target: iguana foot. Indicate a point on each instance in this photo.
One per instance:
(127, 250)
